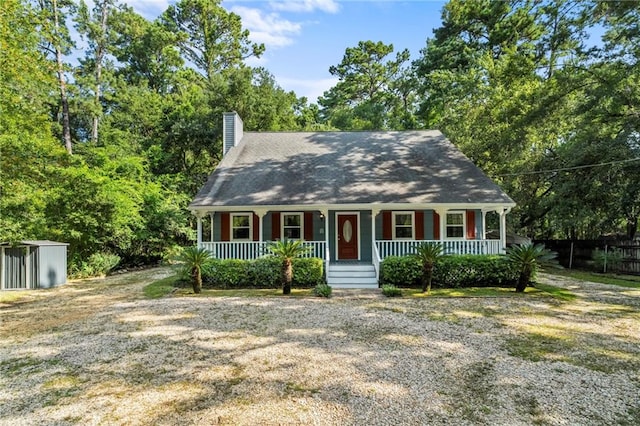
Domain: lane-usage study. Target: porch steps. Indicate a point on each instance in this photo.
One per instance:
(352, 276)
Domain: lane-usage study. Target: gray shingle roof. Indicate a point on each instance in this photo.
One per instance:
(274, 168)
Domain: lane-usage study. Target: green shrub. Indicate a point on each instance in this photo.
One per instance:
(322, 290)
(307, 272)
(263, 272)
(227, 273)
(391, 290)
(97, 264)
(613, 258)
(401, 271)
(450, 271)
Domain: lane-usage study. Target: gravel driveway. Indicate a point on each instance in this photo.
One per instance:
(97, 352)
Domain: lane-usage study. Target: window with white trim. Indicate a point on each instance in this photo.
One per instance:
(455, 225)
(403, 225)
(241, 226)
(292, 226)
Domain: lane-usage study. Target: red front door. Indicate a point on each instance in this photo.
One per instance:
(347, 236)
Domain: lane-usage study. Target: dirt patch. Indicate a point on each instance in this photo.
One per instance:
(97, 352)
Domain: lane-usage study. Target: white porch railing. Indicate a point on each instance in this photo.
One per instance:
(248, 250)
(376, 261)
(403, 247)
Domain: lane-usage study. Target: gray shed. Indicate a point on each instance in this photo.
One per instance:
(33, 264)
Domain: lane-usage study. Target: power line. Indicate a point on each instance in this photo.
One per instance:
(585, 166)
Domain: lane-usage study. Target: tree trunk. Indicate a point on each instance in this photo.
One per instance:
(523, 280)
(287, 276)
(100, 50)
(427, 276)
(66, 123)
(196, 280)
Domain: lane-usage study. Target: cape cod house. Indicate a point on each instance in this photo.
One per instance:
(354, 197)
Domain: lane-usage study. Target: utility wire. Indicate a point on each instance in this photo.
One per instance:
(585, 166)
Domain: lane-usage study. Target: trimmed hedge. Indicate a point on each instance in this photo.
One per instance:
(263, 272)
(450, 271)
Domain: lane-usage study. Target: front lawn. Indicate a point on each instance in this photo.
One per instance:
(630, 281)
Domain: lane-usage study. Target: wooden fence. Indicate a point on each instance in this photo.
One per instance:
(579, 253)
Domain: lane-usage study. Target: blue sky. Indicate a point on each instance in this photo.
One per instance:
(303, 38)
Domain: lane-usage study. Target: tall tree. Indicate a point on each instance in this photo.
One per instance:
(57, 42)
(213, 38)
(94, 27)
(364, 97)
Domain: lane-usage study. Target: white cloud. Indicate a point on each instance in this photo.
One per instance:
(150, 9)
(312, 89)
(267, 28)
(329, 6)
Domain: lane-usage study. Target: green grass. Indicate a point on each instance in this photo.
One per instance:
(160, 288)
(538, 290)
(269, 292)
(12, 296)
(629, 281)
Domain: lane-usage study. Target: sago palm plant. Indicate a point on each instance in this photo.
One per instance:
(194, 259)
(428, 254)
(287, 250)
(527, 258)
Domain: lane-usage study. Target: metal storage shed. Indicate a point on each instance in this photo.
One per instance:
(33, 264)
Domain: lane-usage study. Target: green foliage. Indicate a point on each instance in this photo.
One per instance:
(264, 272)
(322, 290)
(607, 261)
(450, 271)
(160, 288)
(526, 258)
(195, 259)
(287, 250)
(428, 255)
(371, 94)
(96, 264)
(390, 290)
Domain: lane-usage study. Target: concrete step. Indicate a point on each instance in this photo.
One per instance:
(350, 267)
(365, 274)
(352, 275)
(354, 286)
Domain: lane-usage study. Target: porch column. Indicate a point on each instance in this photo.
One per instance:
(484, 224)
(442, 213)
(374, 213)
(199, 229)
(325, 213)
(503, 229)
(260, 213)
(211, 215)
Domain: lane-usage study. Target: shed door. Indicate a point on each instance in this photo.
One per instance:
(347, 236)
(15, 268)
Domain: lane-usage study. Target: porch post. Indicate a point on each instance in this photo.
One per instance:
(325, 213)
(374, 213)
(443, 219)
(484, 224)
(260, 213)
(199, 230)
(503, 229)
(211, 215)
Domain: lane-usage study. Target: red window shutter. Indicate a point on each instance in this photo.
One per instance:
(225, 224)
(256, 227)
(436, 226)
(419, 216)
(471, 225)
(308, 226)
(275, 226)
(386, 225)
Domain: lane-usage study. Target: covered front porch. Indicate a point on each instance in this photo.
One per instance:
(361, 235)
